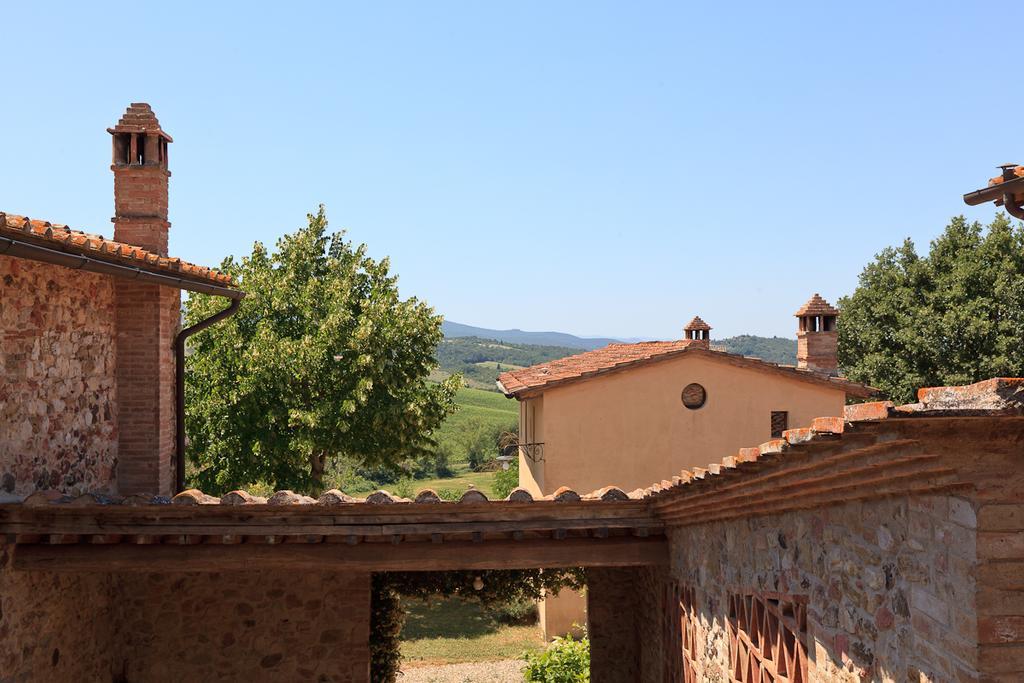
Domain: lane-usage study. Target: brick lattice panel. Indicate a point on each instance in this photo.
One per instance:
(767, 638)
(688, 628)
(681, 632)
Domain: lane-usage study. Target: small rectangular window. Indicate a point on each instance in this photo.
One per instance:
(780, 423)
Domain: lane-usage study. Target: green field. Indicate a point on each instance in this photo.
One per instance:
(460, 483)
(477, 408)
(497, 365)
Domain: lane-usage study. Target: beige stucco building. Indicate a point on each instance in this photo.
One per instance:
(630, 414)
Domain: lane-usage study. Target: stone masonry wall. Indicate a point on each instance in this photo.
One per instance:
(58, 421)
(57, 627)
(889, 585)
(126, 628)
(255, 626)
(627, 619)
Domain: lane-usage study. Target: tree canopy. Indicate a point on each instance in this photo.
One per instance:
(954, 316)
(322, 360)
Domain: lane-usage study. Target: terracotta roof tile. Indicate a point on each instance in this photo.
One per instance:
(697, 324)
(618, 356)
(586, 364)
(817, 306)
(63, 238)
(333, 497)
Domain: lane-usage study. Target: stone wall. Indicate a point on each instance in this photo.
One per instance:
(256, 626)
(58, 422)
(57, 627)
(629, 625)
(889, 586)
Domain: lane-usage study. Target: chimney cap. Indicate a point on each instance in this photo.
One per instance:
(696, 324)
(139, 118)
(816, 306)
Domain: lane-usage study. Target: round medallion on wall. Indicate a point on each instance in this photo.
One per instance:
(694, 396)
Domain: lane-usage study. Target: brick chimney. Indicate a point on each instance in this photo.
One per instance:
(140, 179)
(817, 338)
(147, 315)
(698, 333)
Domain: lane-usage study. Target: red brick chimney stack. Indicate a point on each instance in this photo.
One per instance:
(698, 333)
(140, 179)
(147, 315)
(817, 337)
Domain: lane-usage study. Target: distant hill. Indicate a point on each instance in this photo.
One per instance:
(780, 350)
(481, 359)
(453, 329)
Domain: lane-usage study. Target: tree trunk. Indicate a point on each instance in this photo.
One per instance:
(317, 463)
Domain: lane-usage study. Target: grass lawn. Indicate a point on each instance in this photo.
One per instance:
(448, 631)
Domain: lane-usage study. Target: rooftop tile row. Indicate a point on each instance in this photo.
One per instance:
(63, 238)
(332, 497)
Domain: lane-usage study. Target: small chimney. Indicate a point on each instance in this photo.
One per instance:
(698, 333)
(140, 179)
(817, 338)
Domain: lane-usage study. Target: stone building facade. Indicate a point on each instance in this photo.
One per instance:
(58, 400)
(110, 626)
(886, 547)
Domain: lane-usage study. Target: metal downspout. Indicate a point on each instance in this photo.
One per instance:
(179, 380)
(19, 248)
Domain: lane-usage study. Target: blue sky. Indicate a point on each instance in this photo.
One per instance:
(594, 168)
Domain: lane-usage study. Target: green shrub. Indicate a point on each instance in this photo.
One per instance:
(449, 494)
(506, 480)
(565, 661)
(516, 612)
(403, 489)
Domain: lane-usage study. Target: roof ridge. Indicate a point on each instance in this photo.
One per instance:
(618, 356)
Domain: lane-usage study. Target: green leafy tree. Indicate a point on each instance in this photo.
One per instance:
(323, 360)
(506, 481)
(954, 316)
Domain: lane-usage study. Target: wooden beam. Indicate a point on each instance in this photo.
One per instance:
(538, 554)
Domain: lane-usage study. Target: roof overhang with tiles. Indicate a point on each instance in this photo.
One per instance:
(535, 380)
(194, 532)
(61, 239)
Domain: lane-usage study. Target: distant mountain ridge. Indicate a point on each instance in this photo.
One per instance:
(454, 330)
(780, 350)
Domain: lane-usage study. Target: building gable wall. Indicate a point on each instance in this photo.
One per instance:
(630, 428)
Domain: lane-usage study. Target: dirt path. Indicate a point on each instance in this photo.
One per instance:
(505, 671)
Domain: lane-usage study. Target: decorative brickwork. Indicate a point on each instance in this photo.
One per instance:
(689, 631)
(767, 638)
(58, 417)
